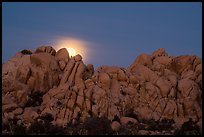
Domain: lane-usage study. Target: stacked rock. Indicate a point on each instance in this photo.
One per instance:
(154, 86)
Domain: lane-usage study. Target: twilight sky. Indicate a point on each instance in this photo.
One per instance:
(111, 33)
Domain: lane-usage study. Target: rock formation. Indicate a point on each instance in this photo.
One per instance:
(156, 86)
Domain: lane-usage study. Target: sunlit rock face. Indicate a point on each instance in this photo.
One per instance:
(156, 86)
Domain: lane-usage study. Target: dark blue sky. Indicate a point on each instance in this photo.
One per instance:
(116, 32)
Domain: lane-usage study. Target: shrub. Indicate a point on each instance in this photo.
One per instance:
(35, 99)
(128, 129)
(98, 126)
(12, 128)
(26, 52)
(188, 128)
(43, 125)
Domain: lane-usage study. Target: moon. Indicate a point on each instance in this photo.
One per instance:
(72, 52)
(74, 46)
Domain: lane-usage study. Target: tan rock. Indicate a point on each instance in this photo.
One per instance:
(80, 70)
(156, 115)
(29, 115)
(47, 49)
(60, 95)
(168, 112)
(79, 83)
(121, 75)
(160, 52)
(173, 80)
(40, 49)
(115, 126)
(144, 73)
(143, 132)
(115, 91)
(67, 71)
(185, 86)
(80, 101)
(22, 97)
(155, 86)
(54, 91)
(89, 83)
(111, 70)
(62, 113)
(163, 60)
(18, 111)
(23, 72)
(90, 68)
(59, 122)
(76, 111)
(172, 93)
(142, 59)
(88, 92)
(49, 111)
(98, 93)
(113, 111)
(6, 99)
(71, 78)
(151, 89)
(62, 64)
(104, 81)
(164, 86)
(44, 75)
(46, 98)
(78, 58)
(71, 103)
(198, 69)
(130, 90)
(88, 105)
(182, 63)
(9, 107)
(11, 115)
(133, 79)
(68, 116)
(145, 112)
(126, 120)
(188, 74)
(62, 54)
(199, 80)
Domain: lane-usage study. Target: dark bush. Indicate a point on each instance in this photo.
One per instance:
(26, 52)
(128, 129)
(12, 128)
(98, 126)
(188, 128)
(43, 125)
(56, 130)
(152, 125)
(130, 113)
(35, 99)
(47, 117)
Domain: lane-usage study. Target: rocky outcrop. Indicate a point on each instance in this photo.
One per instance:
(154, 86)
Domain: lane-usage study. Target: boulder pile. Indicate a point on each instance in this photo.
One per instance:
(154, 87)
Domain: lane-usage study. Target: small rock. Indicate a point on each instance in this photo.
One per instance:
(125, 120)
(143, 132)
(78, 58)
(47, 49)
(62, 64)
(18, 111)
(62, 54)
(115, 126)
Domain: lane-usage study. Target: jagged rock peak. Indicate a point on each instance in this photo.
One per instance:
(156, 86)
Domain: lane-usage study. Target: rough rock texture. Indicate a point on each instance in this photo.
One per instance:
(154, 86)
